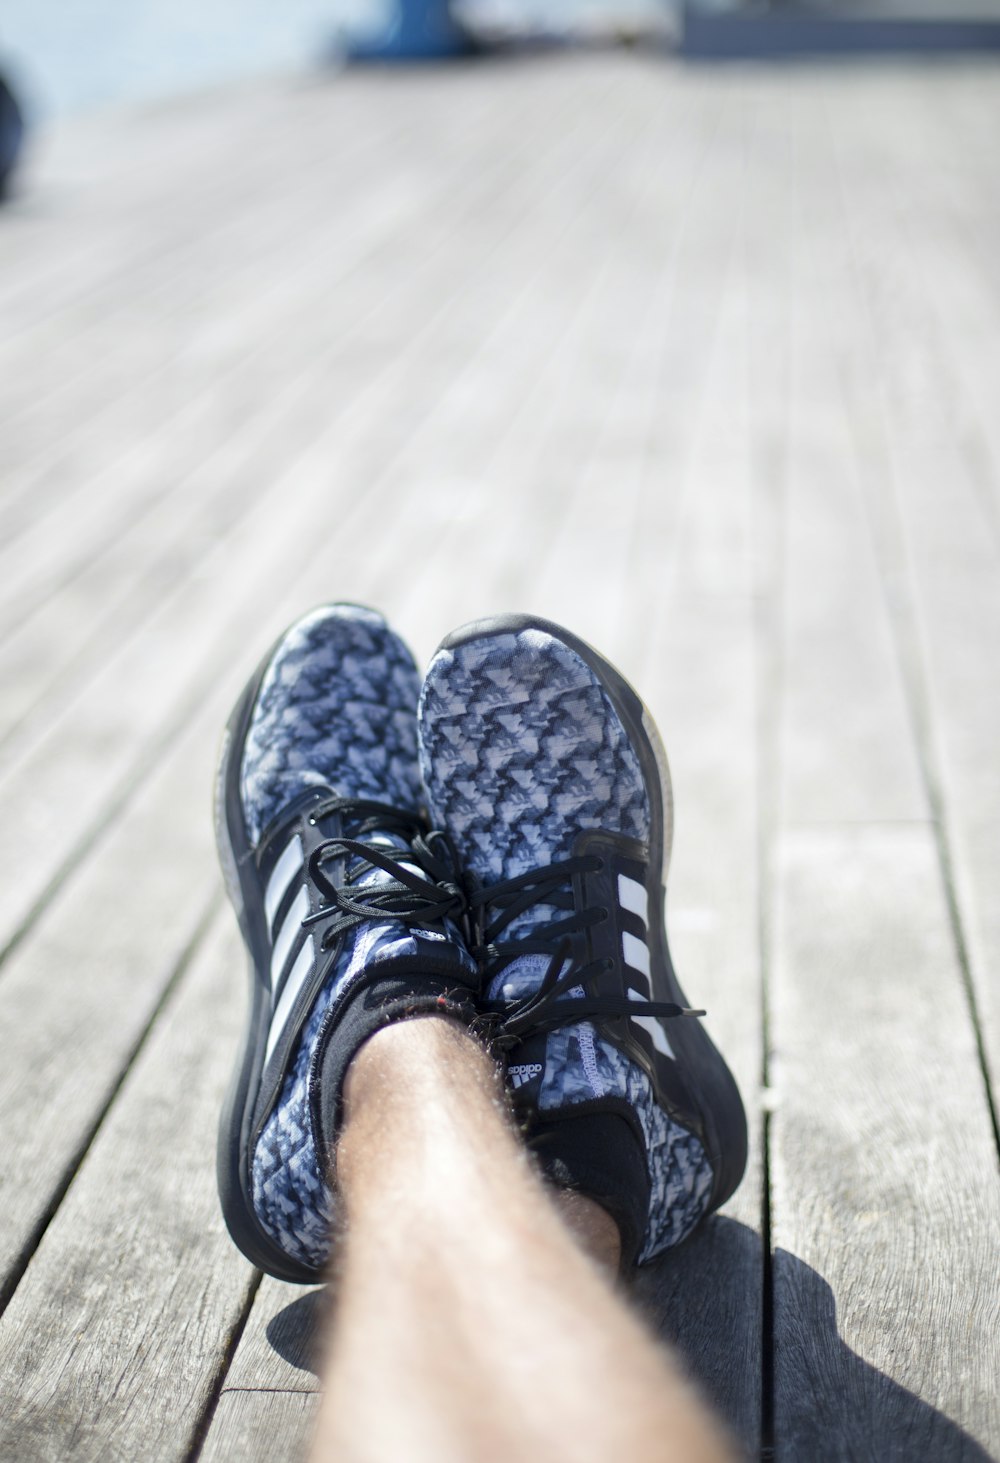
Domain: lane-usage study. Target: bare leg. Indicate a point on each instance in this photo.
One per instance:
(473, 1323)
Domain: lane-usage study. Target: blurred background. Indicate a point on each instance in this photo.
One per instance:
(679, 324)
(66, 58)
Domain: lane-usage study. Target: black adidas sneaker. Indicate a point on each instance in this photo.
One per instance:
(548, 774)
(347, 904)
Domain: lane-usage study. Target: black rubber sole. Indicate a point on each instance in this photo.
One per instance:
(705, 1071)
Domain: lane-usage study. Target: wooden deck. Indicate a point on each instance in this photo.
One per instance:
(706, 366)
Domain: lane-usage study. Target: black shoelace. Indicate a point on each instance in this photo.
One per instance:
(549, 1006)
(425, 900)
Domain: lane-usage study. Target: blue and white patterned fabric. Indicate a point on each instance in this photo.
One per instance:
(521, 749)
(521, 743)
(335, 709)
(291, 1196)
(581, 1066)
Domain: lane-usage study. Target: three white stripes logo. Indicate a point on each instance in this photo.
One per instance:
(635, 953)
(288, 867)
(632, 896)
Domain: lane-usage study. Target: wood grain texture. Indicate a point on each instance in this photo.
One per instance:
(279, 1359)
(113, 1342)
(698, 671)
(936, 502)
(848, 751)
(886, 1201)
(703, 366)
(103, 740)
(78, 997)
(883, 1162)
(281, 1349)
(954, 559)
(261, 1427)
(155, 430)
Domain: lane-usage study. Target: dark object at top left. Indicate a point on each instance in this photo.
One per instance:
(11, 134)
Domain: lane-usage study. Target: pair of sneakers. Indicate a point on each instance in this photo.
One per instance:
(490, 845)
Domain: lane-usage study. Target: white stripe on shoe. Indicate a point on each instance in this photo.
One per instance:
(297, 977)
(290, 927)
(635, 953)
(282, 875)
(633, 897)
(653, 1028)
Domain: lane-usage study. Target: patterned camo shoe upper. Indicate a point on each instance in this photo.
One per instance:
(337, 711)
(521, 750)
(518, 737)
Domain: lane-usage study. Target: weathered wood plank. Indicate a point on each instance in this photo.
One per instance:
(267, 1406)
(848, 753)
(261, 1427)
(954, 559)
(276, 327)
(157, 675)
(886, 1201)
(113, 1341)
(231, 157)
(281, 1349)
(934, 500)
(596, 421)
(222, 466)
(867, 1019)
(260, 1362)
(277, 231)
(566, 474)
(599, 581)
(930, 286)
(696, 634)
(89, 982)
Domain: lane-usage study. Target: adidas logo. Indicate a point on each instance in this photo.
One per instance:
(523, 1072)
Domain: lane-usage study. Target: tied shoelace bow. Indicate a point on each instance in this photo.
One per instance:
(421, 900)
(549, 1006)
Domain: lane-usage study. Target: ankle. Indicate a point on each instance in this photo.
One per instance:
(593, 1228)
(417, 1050)
(405, 1070)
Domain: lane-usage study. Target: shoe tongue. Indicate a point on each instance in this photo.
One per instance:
(533, 922)
(389, 944)
(522, 977)
(526, 1061)
(519, 979)
(383, 943)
